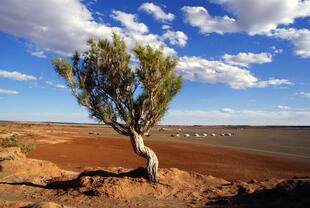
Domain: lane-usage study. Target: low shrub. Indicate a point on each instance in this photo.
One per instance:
(26, 146)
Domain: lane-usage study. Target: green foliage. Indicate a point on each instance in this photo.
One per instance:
(26, 146)
(129, 100)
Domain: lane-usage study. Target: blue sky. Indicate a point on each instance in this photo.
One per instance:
(243, 61)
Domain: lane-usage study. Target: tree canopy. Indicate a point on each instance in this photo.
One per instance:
(129, 95)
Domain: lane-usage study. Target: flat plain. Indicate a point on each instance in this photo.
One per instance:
(251, 152)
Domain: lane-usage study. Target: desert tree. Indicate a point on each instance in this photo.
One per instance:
(129, 99)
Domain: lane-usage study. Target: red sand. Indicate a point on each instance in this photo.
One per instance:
(227, 163)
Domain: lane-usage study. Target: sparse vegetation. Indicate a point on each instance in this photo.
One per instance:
(130, 99)
(26, 146)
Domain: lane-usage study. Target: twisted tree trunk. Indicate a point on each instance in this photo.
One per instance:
(147, 153)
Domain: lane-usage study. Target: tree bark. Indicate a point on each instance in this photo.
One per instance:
(147, 153)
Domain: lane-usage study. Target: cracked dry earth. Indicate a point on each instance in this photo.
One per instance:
(36, 183)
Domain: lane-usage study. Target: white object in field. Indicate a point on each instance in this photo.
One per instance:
(177, 135)
(222, 134)
(228, 134)
(179, 129)
(196, 135)
(213, 134)
(186, 135)
(204, 134)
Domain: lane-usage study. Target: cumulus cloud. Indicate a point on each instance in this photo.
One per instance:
(165, 27)
(199, 17)
(245, 59)
(203, 70)
(304, 94)
(175, 37)
(60, 86)
(8, 92)
(133, 35)
(300, 38)
(237, 117)
(72, 23)
(16, 76)
(156, 11)
(266, 16)
(265, 19)
(129, 21)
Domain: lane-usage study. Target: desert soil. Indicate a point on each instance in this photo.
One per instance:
(197, 172)
(35, 183)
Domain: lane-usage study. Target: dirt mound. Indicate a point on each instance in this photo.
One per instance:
(286, 193)
(11, 153)
(289, 193)
(14, 166)
(131, 185)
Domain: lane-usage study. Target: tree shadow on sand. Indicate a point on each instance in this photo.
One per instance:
(290, 193)
(77, 183)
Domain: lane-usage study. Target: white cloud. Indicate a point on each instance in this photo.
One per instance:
(237, 117)
(71, 22)
(304, 94)
(199, 17)
(132, 38)
(60, 86)
(245, 59)
(41, 21)
(265, 19)
(136, 33)
(8, 92)
(16, 76)
(266, 16)
(300, 38)
(273, 82)
(176, 37)
(227, 110)
(283, 107)
(202, 70)
(129, 21)
(39, 54)
(157, 12)
(166, 27)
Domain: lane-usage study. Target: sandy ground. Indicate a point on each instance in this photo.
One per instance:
(36, 183)
(91, 166)
(77, 147)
